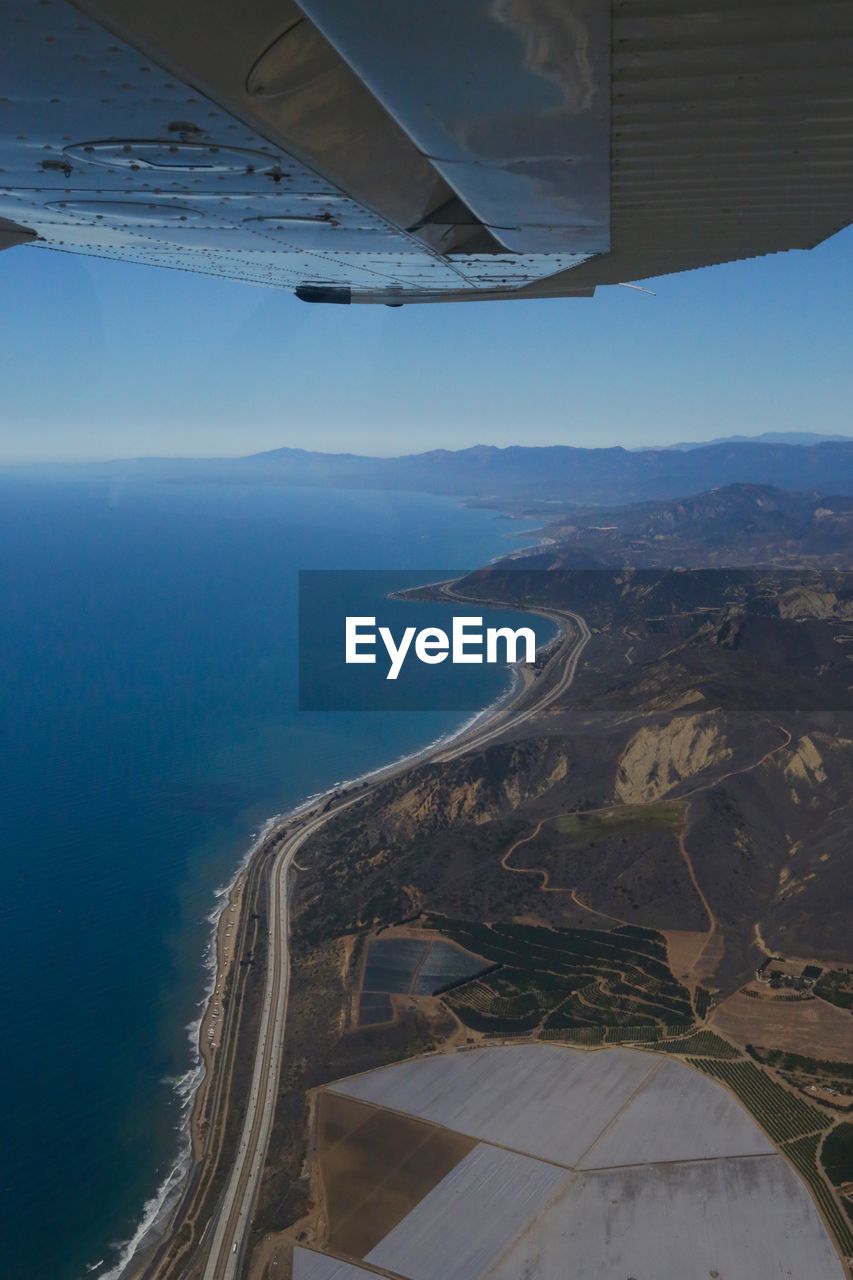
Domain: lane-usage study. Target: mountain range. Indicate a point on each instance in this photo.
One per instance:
(554, 474)
(765, 437)
(738, 524)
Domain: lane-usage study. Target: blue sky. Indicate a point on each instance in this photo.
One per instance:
(102, 359)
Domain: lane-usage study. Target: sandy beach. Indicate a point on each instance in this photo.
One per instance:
(210, 1027)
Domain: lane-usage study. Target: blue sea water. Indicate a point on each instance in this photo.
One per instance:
(149, 726)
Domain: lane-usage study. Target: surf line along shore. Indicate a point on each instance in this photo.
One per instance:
(233, 1107)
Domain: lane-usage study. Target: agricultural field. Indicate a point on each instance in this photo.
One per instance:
(392, 963)
(589, 1037)
(802, 1153)
(565, 979)
(837, 1155)
(492, 1190)
(782, 1061)
(409, 966)
(642, 1036)
(782, 1114)
(701, 1044)
(374, 1007)
(812, 1028)
(834, 1079)
(798, 1128)
(543, 1100)
(702, 1001)
(445, 965)
(356, 1145)
(675, 1039)
(589, 1156)
(308, 1264)
(663, 1221)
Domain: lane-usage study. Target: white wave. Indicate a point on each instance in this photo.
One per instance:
(156, 1211)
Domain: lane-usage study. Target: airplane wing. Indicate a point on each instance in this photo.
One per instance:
(398, 151)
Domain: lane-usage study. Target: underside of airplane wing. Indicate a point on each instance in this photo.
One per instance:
(398, 151)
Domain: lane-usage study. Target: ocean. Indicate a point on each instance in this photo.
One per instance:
(148, 649)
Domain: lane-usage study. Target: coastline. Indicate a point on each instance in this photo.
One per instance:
(190, 1087)
(193, 1087)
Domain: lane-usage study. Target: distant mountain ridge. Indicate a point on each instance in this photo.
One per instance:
(766, 437)
(738, 524)
(558, 473)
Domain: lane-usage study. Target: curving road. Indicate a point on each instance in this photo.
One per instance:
(525, 712)
(227, 1234)
(234, 1212)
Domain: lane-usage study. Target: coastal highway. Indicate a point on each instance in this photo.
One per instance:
(234, 1212)
(567, 658)
(226, 1236)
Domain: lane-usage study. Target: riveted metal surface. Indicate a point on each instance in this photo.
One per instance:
(104, 153)
(142, 213)
(259, 155)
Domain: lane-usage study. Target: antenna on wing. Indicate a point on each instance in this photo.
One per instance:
(638, 287)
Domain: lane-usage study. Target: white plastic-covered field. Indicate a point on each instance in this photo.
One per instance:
(308, 1265)
(676, 1114)
(589, 1166)
(535, 1098)
(577, 1109)
(500, 1193)
(740, 1219)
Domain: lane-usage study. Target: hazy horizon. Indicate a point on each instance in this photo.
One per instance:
(24, 463)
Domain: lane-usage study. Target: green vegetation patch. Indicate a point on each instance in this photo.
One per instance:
(837, 1154)
(618, 820)
(644, 1035)
(779, 1111)
(563, 979)
(803, 1155)
(784, 1061)
(798, 1128)
(701, 1044)
(702, 1001)
(836, 986)
(575, 1035)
